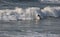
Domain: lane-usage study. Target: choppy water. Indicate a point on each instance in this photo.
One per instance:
(46, 27)
(35, 28)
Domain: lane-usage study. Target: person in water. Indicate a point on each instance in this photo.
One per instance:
(39, 16)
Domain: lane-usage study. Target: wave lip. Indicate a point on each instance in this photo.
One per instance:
(51, 11)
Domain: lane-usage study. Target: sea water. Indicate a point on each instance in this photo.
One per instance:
(48, 26)
(34, 28)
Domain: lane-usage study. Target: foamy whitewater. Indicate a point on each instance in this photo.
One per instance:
(19, 13)
(51, 11)
(29, 13)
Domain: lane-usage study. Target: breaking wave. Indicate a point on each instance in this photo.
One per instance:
(29, 13)
(51, 11)
(19, 13)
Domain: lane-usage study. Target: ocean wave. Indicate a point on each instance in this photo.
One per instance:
(29, 13)
(51, 11)
(19, 13)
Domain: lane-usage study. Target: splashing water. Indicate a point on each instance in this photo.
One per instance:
(51, 11)
(29, 13)
(19, 13)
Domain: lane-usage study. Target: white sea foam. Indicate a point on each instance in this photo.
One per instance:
(29, 13)
(51, 11)
(19, 13)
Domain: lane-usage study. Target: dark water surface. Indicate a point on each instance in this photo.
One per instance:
(34, 28)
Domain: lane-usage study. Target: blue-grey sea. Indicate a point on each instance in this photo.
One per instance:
(46, 27)
(34, 28)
